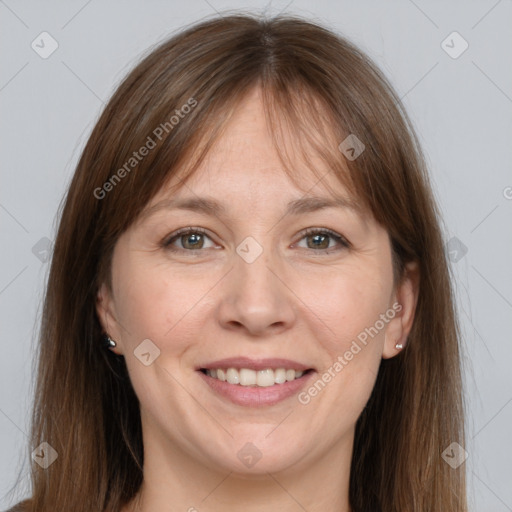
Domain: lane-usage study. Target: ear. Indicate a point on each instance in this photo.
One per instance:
(406, 295)
(105, 310)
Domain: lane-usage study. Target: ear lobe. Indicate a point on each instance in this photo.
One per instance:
(400, 326)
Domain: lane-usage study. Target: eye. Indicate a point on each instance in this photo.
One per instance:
(190, 239)
(319, 239)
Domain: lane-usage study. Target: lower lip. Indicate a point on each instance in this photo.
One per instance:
(254, 396)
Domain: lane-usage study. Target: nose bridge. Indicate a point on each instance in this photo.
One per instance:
(252, 265)
(257, 298)
(252, 268)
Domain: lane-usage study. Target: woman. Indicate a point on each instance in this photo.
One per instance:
(249, 303)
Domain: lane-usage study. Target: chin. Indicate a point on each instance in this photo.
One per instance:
(257, 457)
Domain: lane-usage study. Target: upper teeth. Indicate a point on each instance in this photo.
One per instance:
(247, 377)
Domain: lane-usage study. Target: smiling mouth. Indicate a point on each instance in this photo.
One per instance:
(247, 377)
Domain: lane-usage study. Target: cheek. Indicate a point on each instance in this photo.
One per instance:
(347, 304)
(352, 347)
(348, 314)
(157, 303)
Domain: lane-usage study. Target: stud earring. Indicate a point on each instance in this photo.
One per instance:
(399, 346)
(108, 342)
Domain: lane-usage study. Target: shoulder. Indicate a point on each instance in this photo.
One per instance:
(22, 506)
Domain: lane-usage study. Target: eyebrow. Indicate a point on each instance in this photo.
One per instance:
(212, 207)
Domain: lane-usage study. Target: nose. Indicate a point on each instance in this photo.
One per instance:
(256, 298)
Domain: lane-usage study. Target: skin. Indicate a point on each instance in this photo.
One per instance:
(294, 301)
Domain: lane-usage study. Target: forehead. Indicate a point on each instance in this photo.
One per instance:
(241, 185)
(244, 164)
(228, 193)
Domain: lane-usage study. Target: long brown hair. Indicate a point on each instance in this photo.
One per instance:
(320, 86)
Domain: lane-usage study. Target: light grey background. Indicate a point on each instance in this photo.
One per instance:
(462, 109)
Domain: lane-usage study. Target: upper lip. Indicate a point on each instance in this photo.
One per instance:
(254, 364)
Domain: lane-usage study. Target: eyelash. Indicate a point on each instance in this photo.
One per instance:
(309, 231)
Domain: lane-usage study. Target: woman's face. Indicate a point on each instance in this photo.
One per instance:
(253, 286)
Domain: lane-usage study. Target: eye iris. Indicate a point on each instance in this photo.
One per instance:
(196, 241)
(321, 239)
